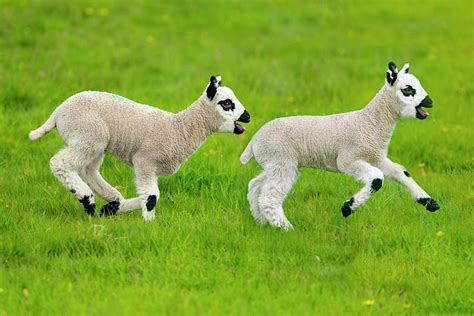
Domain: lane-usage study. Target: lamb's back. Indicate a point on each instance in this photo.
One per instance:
(311, 141)
(120, 123)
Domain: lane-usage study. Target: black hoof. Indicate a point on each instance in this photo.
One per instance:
(432, 206)
(110, 209)
(429, 203)
(346, 208)
(88, 206)
(90, 210)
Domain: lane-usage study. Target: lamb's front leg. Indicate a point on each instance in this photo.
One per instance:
(365, 172)
(398, 173)
(147, 188)
(121, 207)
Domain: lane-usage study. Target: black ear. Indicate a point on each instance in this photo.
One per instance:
(392, 73)
(406, 68)
(211, 90)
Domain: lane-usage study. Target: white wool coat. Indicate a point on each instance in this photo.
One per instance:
(131, 130)
(327, 142)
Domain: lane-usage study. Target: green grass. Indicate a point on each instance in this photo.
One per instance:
(204, 254)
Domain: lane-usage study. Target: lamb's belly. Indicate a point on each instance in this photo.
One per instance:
(325, 161)
(122, 150)
(318, 154)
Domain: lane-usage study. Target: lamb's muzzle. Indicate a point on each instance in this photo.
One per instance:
(244, 118)
(427, 103)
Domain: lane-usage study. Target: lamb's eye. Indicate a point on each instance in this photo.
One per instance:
(227, 104)
(408, 90)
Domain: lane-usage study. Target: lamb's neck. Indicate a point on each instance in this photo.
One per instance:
(381, 116)
(193, 125)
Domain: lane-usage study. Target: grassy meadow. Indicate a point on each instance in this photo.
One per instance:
(204, 254)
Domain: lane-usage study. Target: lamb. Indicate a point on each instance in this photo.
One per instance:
(153, 141)
(354, 143)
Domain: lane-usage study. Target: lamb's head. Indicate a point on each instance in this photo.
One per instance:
(408, 90)
(227, 106)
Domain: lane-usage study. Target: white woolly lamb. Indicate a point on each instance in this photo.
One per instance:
(355, 143)
(153, 141)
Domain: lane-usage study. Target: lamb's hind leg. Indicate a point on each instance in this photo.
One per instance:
(66, 165)
(255, 187)
(277, 183)
(90, 174)
(363, 171)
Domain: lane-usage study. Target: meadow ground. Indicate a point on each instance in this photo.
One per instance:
(204, 254)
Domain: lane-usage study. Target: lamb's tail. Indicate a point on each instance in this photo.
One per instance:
(44, 129)
(247, 154)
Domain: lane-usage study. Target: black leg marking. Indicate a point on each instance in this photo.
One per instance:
(110, 208)
(432, 206)
(346, 208)
(88, 206)
(429, 203)
(423, 201)
(406, 173)
(151, 202)
(376, 184)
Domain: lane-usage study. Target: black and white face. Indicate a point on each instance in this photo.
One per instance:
(228, 106)
(411, 95)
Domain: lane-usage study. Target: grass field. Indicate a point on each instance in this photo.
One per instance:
(204, 254)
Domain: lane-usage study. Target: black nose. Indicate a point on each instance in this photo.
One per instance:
(245, 117)
(427, 102)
